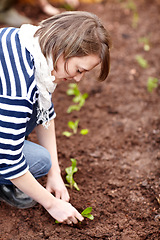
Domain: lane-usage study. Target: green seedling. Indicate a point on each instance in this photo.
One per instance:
(152, 84)
(132, 6)
(141, 61)
(145, 42)
(73, 89)
(72, 125)
(87, 213)
(135, 19)
(79, 98)
(70, 172)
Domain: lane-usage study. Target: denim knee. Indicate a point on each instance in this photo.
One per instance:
(41, 167)
(38, 159)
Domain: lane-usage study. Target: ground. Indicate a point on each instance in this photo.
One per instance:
(118, 161)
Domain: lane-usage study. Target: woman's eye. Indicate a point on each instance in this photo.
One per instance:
(79, 71)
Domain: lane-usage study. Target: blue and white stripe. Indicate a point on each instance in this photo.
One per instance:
(18, 93)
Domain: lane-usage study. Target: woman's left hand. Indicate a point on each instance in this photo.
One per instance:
(55, 184)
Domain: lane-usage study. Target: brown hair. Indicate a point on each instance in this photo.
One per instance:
(75, 34)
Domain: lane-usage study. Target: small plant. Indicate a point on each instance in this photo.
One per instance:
(135, 19)
(74, 126)
(70, 172)
(145, 42)
(132, 6)
(79, 98)
(141, 61)
(152, 84)
(87, 213)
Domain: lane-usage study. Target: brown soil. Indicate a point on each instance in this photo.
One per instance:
(118, 161)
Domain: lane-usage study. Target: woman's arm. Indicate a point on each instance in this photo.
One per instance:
(55, 183)
(60, 210)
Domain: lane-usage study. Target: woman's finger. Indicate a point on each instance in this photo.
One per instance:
(69, 222)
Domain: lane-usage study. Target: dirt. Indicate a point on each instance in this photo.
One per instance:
(118, 161)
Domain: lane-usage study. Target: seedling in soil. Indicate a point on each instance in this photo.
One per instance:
(74, 127)
(141, 61)
(132, 6)
(70, 172)
(87, 213)
(135, 19)
(79, 98)
(152, 84)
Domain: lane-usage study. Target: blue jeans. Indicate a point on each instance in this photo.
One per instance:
(37, 157)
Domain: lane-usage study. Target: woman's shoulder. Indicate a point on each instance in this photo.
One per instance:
(16, 64)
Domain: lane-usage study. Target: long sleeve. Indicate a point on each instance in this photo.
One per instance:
(18, 92)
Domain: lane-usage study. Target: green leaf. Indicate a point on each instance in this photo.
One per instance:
(76, 186)
(70, 92)
(87, 213)
(76, 126)
(67, 134)
(76, 92)
(141, 61)
(73, 125)
(72, 85)
(74, 164)
(90, 216)
(82, 102)
(73, 89)
(152, 84)
(135, 19)
(84, 131)
(76, 99)
(85, 95)
(70, 171)
(73, 108)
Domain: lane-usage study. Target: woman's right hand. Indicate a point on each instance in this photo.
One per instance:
(59, 209)
(64, 212)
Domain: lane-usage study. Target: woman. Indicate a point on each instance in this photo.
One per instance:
(33, 61)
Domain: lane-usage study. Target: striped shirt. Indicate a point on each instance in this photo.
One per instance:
(18, 93)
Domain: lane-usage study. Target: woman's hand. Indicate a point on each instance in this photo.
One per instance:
(64, 212)
(60, 210)
(55, 184)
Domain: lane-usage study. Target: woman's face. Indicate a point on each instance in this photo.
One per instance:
(75, 69)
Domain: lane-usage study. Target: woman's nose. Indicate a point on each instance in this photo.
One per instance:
(78, 77)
